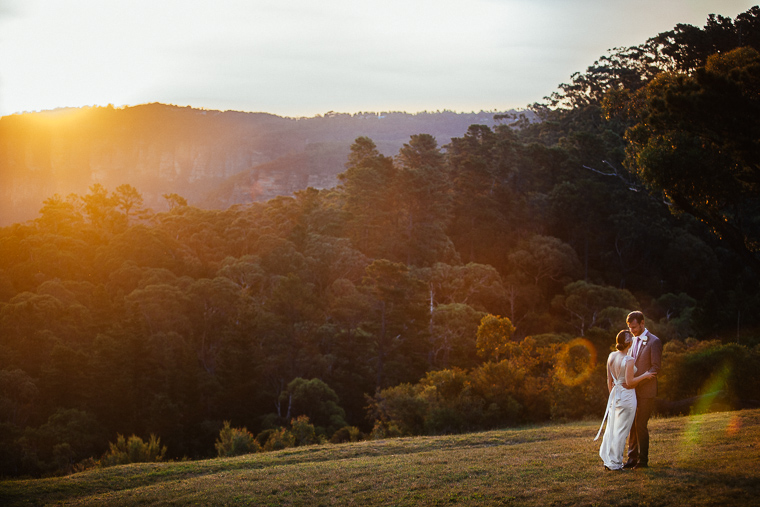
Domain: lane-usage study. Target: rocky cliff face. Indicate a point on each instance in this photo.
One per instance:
(212, 158)
(153, 169)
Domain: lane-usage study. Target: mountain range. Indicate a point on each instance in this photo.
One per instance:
(214, 159)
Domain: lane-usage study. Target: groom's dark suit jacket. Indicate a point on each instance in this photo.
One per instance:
(648, 358)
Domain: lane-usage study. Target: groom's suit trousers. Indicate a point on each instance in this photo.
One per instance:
(638, 439)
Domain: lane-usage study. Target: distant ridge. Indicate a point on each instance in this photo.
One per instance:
(212, 158)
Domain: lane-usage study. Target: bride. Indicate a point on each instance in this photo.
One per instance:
(621, 405)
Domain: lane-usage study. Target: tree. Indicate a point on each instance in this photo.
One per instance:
(589, 304)
(214, 309)
(398, 315)
(175, 200)
(315, 400)
(101, 209)
(685, 48)
(494, 333)
(369, 187)
(69, 436)
(161, 308)
(697, 139)
(18, 393)
(332, 259)
(481, 163)
(128, 199)
(61, 216)
(145, 246)
(246, 272)
(477, 285)
(425, 201)
(288, 335)
(453, 335)
(544, 259)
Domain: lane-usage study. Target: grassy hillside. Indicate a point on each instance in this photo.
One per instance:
(712, 459)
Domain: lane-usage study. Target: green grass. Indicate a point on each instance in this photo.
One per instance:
(712, 459)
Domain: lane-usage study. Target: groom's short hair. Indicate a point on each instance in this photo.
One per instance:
(637, 316)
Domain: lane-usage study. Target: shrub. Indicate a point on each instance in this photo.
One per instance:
(263, 437)
(695, 373)
(280, 439)
(133, 450)
(383, 430)
(579, 383)
(347, 434)
(576, 401)
(235, 441)
(453, 407)
(514, 390)
(303, 431)
(496, 384)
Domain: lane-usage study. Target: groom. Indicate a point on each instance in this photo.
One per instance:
(647, 351)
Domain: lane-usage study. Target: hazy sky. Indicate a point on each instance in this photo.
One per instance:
(302, 57)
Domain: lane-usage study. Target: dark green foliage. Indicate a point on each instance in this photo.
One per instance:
(696, 140)
(68, 437)
(316, 401)
(710, 369)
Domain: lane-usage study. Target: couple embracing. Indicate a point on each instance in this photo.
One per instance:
(632, 382)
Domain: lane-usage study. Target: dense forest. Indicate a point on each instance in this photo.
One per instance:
(473, 285)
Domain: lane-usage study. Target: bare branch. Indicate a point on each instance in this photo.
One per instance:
(620, 174)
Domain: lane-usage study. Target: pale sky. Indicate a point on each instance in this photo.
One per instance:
(302, 58)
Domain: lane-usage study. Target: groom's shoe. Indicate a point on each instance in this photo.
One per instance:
(642, 464)
(630, 464)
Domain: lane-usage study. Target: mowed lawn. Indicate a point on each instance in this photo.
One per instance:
(711, 459)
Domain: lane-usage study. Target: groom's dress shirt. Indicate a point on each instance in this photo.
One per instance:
(637, 342)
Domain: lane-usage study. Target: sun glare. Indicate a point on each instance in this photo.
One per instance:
(565, 371)
(56, 118)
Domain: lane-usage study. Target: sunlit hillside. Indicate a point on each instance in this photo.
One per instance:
(166, 149)
(711, 460)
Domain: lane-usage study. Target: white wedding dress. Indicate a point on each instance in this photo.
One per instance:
(621, 409)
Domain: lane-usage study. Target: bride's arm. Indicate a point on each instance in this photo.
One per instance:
(630, 381)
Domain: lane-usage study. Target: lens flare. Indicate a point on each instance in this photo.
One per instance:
(566, 366)
(734, 426)
(714, 386)
(693, 436)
